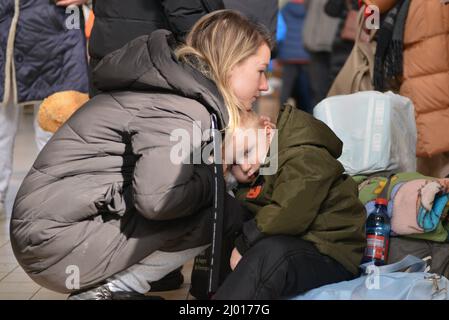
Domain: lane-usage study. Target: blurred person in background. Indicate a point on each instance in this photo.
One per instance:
(264, 12)
(294, 58)
(39, 56)
(117, 22)
(412, 58)
(342, 44)
(319, 34)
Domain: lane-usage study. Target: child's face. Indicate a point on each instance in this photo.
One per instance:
(247, 151)
(246, 161)
(244, 173)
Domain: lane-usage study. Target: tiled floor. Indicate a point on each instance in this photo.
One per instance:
(14, 282)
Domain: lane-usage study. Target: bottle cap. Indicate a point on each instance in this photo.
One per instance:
(382, 201)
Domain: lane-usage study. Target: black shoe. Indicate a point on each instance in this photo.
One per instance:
(102, 292)
(171, 281)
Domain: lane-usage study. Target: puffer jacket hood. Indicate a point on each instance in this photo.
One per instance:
(148, 63)
(306, 130)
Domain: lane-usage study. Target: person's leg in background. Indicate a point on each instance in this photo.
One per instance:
(280, 267)
(319, 75)
(9, 124)
(41, 136)
(289, 75)
(302, 92)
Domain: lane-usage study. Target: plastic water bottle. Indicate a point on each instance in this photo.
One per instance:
(377, 234)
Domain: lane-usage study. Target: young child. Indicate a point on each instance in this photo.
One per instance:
(307, 224)
(246, 148)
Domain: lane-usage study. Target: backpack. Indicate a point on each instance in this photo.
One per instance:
(386, 283)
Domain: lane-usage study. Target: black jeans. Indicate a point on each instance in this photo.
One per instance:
(319, 75)
(280, 267)
(295, 84)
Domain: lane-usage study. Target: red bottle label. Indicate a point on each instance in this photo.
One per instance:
(376, 247)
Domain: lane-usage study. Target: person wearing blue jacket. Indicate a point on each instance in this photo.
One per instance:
(294, 58)
(39, 56)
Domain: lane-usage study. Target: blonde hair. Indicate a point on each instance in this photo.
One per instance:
(248, 121)
(216, 44)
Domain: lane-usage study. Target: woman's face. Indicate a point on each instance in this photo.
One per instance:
(248, 78)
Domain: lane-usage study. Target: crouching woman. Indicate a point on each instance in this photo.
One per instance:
(104, 200)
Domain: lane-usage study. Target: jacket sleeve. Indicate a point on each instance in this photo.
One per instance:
(182, 14)
(163, 186)
(302, 184)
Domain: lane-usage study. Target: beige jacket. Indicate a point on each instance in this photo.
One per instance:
(426, 73)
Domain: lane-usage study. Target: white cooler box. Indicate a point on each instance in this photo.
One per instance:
(378, 131)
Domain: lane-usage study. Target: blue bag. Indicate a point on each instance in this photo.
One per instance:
(385, 283)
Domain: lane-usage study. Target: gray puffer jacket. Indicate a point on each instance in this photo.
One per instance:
(103, 194)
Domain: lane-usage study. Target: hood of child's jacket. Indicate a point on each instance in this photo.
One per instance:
(300, 128)
(148, 63)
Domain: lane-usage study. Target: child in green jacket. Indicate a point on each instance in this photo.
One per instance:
(307, 223)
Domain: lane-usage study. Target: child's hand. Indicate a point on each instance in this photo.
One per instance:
(235, 258)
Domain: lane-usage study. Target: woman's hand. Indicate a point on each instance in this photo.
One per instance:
(235, 258)
(66, 3)
(266, 122)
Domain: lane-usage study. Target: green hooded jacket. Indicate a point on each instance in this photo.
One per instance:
(309, 195)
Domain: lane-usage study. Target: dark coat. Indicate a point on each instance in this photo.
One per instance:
(104, 193)
(264, 12)
(44, 56)
(118, 22)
